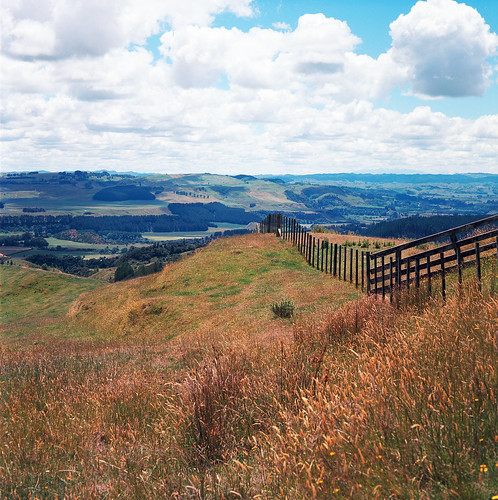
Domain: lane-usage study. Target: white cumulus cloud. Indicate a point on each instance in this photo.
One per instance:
(444, 46)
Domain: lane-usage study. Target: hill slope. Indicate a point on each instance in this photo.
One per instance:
(227, 287)
(359, 401)
(33, 301)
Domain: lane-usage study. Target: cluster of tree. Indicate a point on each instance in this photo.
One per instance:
(417, 227)
(142, 260)
(193, 195)
(125, 271)
(72, 264)
(47, 224)
(138, 223)
(23, 240)
(122, 193)
(214, 212)
(52, 224)
(228, 190)
(33, 210)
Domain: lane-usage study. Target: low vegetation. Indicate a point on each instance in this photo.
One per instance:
(353, 399)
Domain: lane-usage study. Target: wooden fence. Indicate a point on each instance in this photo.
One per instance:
(340, 261)
(406, 265)
(398, 267)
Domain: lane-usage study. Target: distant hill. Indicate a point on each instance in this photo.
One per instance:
(417, 227)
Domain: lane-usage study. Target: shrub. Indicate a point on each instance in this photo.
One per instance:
(283, 309)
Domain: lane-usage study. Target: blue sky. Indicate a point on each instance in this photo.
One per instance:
(231, 86)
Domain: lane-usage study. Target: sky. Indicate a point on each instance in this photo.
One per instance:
(254, 87)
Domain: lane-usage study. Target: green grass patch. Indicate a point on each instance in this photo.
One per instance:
(31, 299)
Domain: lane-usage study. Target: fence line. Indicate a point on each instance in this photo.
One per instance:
(326, 257)
(388, 271)
(455, 250)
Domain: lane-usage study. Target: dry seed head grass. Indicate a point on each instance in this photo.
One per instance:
(364, 402)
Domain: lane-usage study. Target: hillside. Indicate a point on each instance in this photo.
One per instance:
(33, 301)
(185, 385)
(331, 198)
(226, 287)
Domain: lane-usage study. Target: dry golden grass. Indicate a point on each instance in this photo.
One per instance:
(362, 401)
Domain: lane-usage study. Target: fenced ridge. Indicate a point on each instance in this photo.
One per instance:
(340, 261)
(399, 267)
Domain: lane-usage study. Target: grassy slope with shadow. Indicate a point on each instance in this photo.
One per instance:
(225, 287)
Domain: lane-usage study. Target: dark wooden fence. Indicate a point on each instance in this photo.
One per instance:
(406, 265)
(340, 261)
(398, 267)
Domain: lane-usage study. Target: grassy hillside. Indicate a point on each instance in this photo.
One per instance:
(33, 301)
(351, 399)
(227, 287)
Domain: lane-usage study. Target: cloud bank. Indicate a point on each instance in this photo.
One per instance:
(83, 88)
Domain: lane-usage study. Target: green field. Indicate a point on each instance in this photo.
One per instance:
(34, 301)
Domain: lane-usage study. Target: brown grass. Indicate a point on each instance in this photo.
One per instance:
(362, 401)
(225, 290)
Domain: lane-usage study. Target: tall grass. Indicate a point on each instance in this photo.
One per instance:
(364, 401)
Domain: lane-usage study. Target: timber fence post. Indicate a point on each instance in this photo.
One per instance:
(478, 262)
(356, 274)
(351, 265)
(335, 259)
(368, 272)
(443, 276)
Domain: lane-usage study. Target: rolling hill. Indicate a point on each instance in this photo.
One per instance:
(185, 384)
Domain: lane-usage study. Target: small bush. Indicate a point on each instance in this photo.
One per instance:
(283, 309)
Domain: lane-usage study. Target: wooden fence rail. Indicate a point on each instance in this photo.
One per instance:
(405, 265)
(397, 267)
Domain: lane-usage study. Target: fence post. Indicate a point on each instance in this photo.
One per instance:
(362, 270)
(429, 276)
(351, 265)
(331, 257)
(357, 254)
(313, 254)
(417, 272)
(368, 272)
(340, 261)
(391, 279)
(398, 268)
(478, 262)
(326, 256)
(458, 256)
(375, 275)
(443, 276)
(335, 259)
(382, 262)
(408, 270)
(345, 263)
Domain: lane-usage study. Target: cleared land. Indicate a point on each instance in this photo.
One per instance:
(184, 385)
